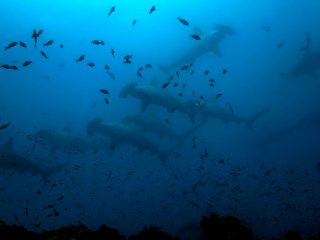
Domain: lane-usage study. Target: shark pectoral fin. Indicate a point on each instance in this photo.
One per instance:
(197, 31)
(204, 119)
(215, 49)
(144, 104)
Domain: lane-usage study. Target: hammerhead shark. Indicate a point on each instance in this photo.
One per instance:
(210, 109)
(67, 140)
(306, 66)
(12, 161)
(209, 42)
(152, 94)
(122, 133)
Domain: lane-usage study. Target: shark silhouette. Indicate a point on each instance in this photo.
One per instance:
(209, 42)
(12, 161)
(152, 94)
(306, 66)
(210, 109)
(122, 133)
(67, 140)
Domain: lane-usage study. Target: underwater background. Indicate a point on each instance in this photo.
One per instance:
(266, 172)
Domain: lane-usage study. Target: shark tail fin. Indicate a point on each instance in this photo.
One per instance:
(183, 136)
(93, 125)
(253, 118)
(126, 90)
(165, 68)
(51, 171)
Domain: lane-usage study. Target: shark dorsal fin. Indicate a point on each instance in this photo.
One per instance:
(153, 82)
(67, 128)
(7, 147)
(153, 113)
(197, 31)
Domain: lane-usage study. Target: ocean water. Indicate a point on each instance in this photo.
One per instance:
(267, 176)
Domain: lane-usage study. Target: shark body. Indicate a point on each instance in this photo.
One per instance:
(152, 94)
(12, 161)
(209, 42)
(210, 109)
(306, 66)
(68, 141)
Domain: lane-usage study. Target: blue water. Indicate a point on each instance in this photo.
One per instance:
(50, 93)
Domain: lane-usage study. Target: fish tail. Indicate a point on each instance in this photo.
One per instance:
(127, 89)
(5, 48)
(253, 118)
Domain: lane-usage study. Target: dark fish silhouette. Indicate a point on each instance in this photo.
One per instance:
(4, 125)
(206, 72)
(184, 22)
(6, 66)
(11, 45)
(43, 54)
(111, 10)
(106, 100)
(196, 37)
(106, 67)
(14, 67)
(96, 42)
(139, 74)
(308, 37)
(91, 64)
(23, 45)
(231, 110)
(134, 22)
(26, 63)
(48, 43)
(102, 42)
(61, 46)
(112, 52)
(184, 67)
(127, 57)
(224, 71)
(35, 35)
(80, 58)
(281, 44)
(111, 75)
(127, 61)
(177, 74)
(104, 91)
(267, 28)
(152, 9)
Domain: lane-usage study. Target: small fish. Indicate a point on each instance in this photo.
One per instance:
(6, 66)
(231, 110)
(196, 37)
(165, 85)
(35, 35)
(175, 84)
(267, 28)
(201, 97)
(48, 43)
(193, 93)
(224, 71)
(152, 9)
(11, 45)
(96, 42)
(26, 63)
(177, 74)
(106, 100)
(148, 66)
(104, 91)
(308, 37)
(23, 45)
(59, 198)
(111, 10)
(183, 85)
(211, 80)
(43, 54)
(127, 61)
(37, 225)
(39, 192)
(80, 58)
(112, 52)
(281, 44)
(167, 121)
(102, 42)
(95, 103)
(91, 64)
(211, 85)
(4, 125)
(140, 68)
(106, 67)
(13, 67)
(192, 73)
(170, 78)
(61, 46)
(219, 95)
(127, 57)
(180, 94)
(184, 67)
(111, 75)
(184, 22)
(134, 22)
(53, 185)
(139, 74)
(206, 72)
